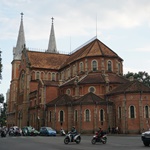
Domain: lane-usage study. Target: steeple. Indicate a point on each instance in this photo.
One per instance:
(52, 42)
(17, 51)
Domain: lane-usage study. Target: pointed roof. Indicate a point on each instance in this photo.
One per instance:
(131, 87)
(61, 100)
(52, 42)
(97, 78)
(89, 98)
(94, 48)
(20, 41)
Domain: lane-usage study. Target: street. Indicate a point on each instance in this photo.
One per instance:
(116, 142)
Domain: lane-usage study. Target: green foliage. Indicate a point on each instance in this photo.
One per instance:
(3, 115)
(140, 76)
(1, 98)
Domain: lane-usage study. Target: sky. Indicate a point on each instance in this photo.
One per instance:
(122, 25)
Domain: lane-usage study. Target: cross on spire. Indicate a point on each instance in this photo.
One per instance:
(22, 15)
(52, 19)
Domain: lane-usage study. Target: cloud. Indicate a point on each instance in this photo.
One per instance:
(72, 17)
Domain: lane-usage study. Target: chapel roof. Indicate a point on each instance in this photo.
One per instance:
(97, 78)
(61, 100)
(130, 87)
(46, 60)
(93, 48)
(90, 98)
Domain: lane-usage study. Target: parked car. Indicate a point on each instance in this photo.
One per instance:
(146, 138)
(47, 131)
(29, 131)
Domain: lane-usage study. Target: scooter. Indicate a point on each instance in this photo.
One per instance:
(69, 138)
(96, 138)
(62, 132)
(3, 133)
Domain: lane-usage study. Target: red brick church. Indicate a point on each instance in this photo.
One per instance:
(85, 88)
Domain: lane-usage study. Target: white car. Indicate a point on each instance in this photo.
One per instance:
(146, 138)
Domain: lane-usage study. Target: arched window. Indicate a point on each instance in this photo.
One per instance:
(146, 112)
(62, 76)
(119, 112)
(75, 115)
(119, 68)
(69, 73)
(109, 66)
(37, 75)
(81, 67)
(61, 116)
(92, 89)
(87, 115)
(132, 112)
(101, 115)
(74, 70)
(50, 116)
(68, 91)
(53, 76)
(22, 81)
(94, 65)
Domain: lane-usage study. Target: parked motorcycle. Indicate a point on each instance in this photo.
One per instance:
(96, 138)
(70, 138)
(3, 133)
(62, 132)
(15, 132)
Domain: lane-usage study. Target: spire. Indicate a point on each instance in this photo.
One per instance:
(20, 41)
(52, 43)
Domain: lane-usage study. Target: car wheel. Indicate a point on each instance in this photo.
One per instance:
(146, 143)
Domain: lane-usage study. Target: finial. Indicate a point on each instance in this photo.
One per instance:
(52, 19)
(21, 15)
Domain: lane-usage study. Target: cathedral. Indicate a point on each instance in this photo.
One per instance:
(85, 89)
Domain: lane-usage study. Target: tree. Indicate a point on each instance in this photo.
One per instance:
(140, 76)
(3, 115)
(1, 98)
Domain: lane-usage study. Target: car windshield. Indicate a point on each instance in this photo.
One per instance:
(30, 129)
(49, 128)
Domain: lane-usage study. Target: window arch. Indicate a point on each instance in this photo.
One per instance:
(43, 75)
(68, 91)
(50, 116)
(101, 115)
(94, 65)
(53, 76)
(119, 68)
(76, 116)
(22, 80)
(109, 64)
(132, 112)
(92, 89)
(146, 111)
(119, 113)
(37, 75)
(61, 114)
(68, 73)
(62, 75)
(87, 115)
(74, 70)
(81, 67)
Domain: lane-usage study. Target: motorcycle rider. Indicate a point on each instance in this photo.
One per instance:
(100, 133)
(73, 132)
